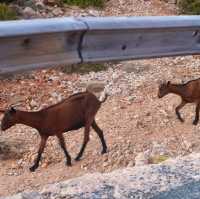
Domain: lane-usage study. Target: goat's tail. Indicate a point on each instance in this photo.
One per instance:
(104, 97)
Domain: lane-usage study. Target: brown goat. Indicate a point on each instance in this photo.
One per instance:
(77, 111)
(189, 93)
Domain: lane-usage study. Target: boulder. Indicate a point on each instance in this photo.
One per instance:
(175, 178)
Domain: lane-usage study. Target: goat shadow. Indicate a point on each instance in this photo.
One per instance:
(189, 190)
(11, 149)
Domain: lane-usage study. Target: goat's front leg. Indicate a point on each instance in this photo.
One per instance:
(101, 137)
(197, 114)
(63, 146)
(85, 141)
(40, 151)
(180, 106)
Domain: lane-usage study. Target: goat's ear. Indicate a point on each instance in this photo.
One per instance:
(12, 110)
(168, 83)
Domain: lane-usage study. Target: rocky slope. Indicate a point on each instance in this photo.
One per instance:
(28, 9)
(174, 179)
(137, 125)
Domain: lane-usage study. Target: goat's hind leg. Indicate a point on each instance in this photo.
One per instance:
(195, 122)
(101, 136)
(89, 120)
(40, 151)
(180, 106)
(63, 146)
(85, 141)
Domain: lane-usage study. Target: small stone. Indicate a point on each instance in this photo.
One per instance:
(33, 104)
(188, 145)
(94, 13)
(20, 162)
(95, 87)
(131, 164)
(84, 166)
(54, 94)
(30, 4)
(142, 158)
(131, 98)
(57, 12)
(40, 5)
(105, 164)
(29, 13)
(45, 165)
(158, 149)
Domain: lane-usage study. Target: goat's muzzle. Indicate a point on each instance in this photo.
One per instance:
(3, 128)
(159, 95)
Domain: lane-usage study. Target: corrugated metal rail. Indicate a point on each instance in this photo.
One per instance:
(39, 43)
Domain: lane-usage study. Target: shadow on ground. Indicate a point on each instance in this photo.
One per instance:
(11, 149)
(187, 191)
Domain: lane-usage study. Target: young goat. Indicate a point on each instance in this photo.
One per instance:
(189, 93)
(77, 111)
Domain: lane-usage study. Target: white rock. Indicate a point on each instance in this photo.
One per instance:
(57, 12)
(29, 13)
(158, 149)
(95, 86)
(175, 178)
(94, 13)
(40, 5)
(33, 103)
(142, 158)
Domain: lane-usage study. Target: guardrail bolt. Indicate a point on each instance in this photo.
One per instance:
(26, 41)
(124, 47)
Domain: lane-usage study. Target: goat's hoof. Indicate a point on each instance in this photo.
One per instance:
(195, 122)
(77, 159)
(33, 168)
(181, 120)
(69, 164)
(103, 151)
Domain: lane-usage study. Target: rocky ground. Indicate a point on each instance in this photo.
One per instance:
(49, 8)
(139, 128)
(175, 179)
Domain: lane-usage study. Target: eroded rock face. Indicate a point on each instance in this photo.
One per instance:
(175, 178)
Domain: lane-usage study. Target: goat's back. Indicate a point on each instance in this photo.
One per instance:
(192, 90)
(71, 113)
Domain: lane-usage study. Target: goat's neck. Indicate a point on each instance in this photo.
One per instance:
(176, 89)
(32, 119)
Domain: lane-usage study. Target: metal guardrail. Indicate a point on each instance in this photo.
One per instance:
(38, 43)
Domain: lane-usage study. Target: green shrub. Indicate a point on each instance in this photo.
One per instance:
(158, 159)
(85, 3)
(6, 13)
(7, 1)
(83, 68)
(191, 7)
(86, 68)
